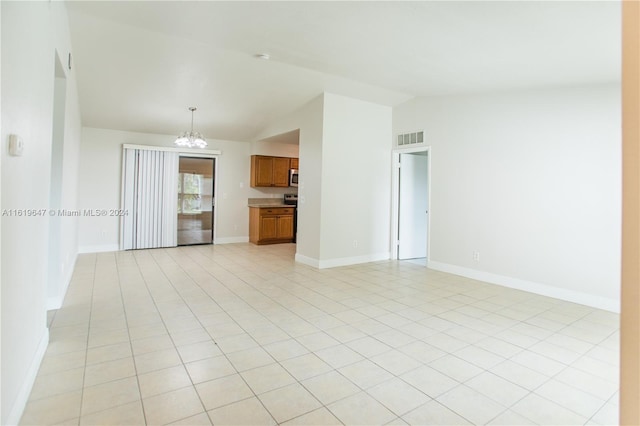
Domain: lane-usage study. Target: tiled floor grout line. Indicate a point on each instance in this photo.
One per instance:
(124, 308)
(368, 291)
(225, 355)
(298, 381)
(261, 292)
(361, 389)
(533, 316)
(596, 413)
(86, 354)
(280, 364)
(214, 340)
(565, 367)
(168, 332)
(275, 301)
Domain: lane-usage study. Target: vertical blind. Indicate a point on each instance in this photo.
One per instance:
(149, 197)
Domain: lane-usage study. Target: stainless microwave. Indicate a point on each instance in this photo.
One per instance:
(293, 177)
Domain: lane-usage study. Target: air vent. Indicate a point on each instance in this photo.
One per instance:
(411, 138)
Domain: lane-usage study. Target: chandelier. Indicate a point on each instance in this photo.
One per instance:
(191, 139)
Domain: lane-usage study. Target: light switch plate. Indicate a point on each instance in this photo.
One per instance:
(16, 145)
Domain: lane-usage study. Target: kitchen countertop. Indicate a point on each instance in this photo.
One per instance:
(268, 205)
(267, 202)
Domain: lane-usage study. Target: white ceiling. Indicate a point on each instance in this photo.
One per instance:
(141, 64)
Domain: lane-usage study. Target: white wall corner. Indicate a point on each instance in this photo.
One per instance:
(23, 396)
(581, 298)
(315, 263)
(55, 302)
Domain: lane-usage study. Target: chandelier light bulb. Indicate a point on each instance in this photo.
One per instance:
(191, 139)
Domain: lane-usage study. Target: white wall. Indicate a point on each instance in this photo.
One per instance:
(344, 190)
(308, 119)
(100, 176)
(275, 149)
(65, 244)
(31, 34)
(531, 181)
(356, 181)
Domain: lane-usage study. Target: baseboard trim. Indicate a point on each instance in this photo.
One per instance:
(99, 248)
(342, 261)
(346, 261)
(581, 298)
(309, 261)
(55, 302)
(115, 247)
(27, 385)
(231, 240)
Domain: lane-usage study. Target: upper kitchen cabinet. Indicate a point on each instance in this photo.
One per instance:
(280, 171)
(269, 171)
(261, 171)
(294, 163)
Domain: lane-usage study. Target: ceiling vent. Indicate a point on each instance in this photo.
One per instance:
(414, 138)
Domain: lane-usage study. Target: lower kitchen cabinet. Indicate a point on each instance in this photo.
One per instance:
(270, 225)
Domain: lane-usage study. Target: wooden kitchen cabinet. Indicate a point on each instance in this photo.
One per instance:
(269, 171)
(284, 227)
(270, 225)
(294, 163)
(280, 171)
(261, 171)
(268, 228)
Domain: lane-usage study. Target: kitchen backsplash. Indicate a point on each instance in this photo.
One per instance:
(274, 201)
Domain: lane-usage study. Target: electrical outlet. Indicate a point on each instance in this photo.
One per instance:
(476, 256)
(16, 145)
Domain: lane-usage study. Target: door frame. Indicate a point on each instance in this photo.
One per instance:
(395, 196)
(216, 160)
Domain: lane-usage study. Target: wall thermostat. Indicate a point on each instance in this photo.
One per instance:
(16, 145)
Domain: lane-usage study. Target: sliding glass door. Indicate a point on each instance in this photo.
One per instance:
(148, 197)
(195, 200)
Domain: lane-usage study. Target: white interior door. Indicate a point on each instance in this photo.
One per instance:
(413, 205)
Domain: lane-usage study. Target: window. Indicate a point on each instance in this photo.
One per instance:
(190, 187)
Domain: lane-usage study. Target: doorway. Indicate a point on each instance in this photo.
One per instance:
(413, 205)
(196, 200)
(55, 259)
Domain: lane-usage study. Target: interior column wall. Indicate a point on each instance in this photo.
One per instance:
(309, 119)
(356, 190)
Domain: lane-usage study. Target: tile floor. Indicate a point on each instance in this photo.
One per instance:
(241, 334)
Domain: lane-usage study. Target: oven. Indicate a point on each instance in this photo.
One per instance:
(292, 200)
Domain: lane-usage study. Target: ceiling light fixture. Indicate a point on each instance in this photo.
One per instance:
(263, 56)
(191, 139)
